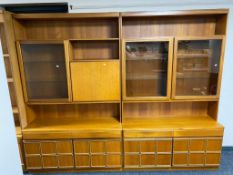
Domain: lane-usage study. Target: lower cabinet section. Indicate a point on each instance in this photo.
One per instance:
(100, 153)
(191, 152)
(147, 152)
(49, 154)
(138, 153)
(80, 153)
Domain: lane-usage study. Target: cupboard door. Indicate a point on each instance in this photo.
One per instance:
(49, 154)
(95, 81)
(97, 153)
(147, 152)
(147, 69)
(43, 69)
(197, 152)
(197, 67)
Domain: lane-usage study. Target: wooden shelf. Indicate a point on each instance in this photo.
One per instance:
(6, 55)
(190, 55)
(18, 131)
(147, 77)
(176, 126)
(94, 39)
(73, 128)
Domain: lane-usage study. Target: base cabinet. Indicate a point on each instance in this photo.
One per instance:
(138, 153)
(198, 151)
(100, 153)
(147, 152)
(49, 154)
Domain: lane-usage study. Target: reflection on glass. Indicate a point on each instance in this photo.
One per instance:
(45, 71)
(197, 67)
(146, 68)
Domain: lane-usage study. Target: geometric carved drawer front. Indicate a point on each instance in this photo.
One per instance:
(98, 153)
(147, 153)
(203, 151)
(47, 154)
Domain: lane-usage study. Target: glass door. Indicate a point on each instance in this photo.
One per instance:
(197, 67)
(147, 69)
(43, 69)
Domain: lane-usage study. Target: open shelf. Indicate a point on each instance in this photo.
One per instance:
(73, 128)
(95, 49)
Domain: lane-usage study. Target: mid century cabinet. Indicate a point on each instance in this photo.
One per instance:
(113, 91)
(11, 86)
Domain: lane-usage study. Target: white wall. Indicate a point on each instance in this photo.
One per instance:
(9, 155)
(226, 107)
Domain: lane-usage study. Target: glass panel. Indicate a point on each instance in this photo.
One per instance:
(45, 71)
(146, 68)
(198, 67)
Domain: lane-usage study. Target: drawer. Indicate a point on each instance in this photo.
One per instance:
(98, 153)
(95, 81)
(197, 151)
(48, 154)
(147, 152)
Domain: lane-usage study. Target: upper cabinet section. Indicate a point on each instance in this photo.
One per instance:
(197, 67)
(44, 71)
(147, 68)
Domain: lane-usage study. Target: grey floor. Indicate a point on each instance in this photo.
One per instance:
(226, 168)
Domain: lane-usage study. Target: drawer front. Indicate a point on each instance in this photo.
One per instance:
(95, 81)
(147, 153)
(98, 153)
(49, 154)
(201, 151)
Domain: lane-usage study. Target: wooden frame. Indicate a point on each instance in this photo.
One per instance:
(169, 68)
(193, 38)
(66, 57)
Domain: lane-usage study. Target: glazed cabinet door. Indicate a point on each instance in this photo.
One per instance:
(95, 81)
(43, 71)
(147, 69)
(197, 67)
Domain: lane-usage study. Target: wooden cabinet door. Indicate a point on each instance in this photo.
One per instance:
(197, 67)
(95, 81)
(49, 154)
(197, 152)
(98, 153)
(147, 152)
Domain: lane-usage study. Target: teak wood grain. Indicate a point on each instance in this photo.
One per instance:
(104, 128)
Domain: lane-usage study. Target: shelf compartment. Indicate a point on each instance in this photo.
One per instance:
(73, 121)
(64, 29)
(94, 49)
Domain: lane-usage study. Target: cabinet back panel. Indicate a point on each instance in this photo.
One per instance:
(95, 50)
(164, 109)
(77, 111)
(69, 29)
(168, 26)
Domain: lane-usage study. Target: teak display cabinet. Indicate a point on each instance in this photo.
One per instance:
(113, 91)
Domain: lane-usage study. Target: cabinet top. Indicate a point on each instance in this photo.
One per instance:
(116, 14)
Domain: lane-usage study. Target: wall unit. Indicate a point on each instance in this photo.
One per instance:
(119, 90)
(11, 86)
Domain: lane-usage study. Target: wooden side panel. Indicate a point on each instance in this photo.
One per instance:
(197, 152)
(49, 154)
(147, 152)
(99, 153)
(95, 81)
